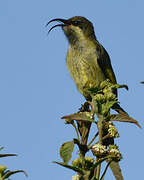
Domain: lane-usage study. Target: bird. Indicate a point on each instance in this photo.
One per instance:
(87, 60)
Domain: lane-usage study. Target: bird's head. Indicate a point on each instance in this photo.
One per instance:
(76, 29)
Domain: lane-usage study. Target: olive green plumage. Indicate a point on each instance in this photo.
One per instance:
(87, 60)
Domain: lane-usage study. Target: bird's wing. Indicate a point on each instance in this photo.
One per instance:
(105, 64)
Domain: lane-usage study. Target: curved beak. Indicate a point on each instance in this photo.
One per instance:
(64, 21)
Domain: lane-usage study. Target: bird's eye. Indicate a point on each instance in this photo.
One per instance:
(76, 23)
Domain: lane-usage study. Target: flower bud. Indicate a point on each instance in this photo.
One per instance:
(89, 159)
(99, 150)
(113, 132)
(100, 98)
(105, 84)
(88, 162)
(114, 152)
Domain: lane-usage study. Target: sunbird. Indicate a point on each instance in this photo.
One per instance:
(87, 60)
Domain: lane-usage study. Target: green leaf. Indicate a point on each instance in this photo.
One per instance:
(76, 169)
(9, 173)
(66, 151)
(121, 86)
(80, 116)
(123, 117)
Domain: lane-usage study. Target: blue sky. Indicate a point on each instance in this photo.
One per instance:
(36, 88)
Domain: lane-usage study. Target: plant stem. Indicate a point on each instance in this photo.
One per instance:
(99, 124)
(93, 139)
(105, 170)
(98, 171)
(76, 131)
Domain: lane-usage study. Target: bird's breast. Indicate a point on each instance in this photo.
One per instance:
(83, 67)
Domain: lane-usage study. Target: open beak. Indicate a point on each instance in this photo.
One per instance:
(63, 21)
